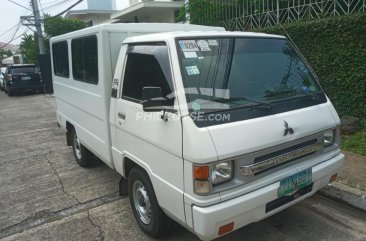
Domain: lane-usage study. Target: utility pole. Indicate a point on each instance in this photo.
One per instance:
(37, 21)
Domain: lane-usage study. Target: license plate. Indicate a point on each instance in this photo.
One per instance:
(26, 78)
(290, 185)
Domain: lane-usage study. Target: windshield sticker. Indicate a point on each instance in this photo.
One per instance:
(190, 55)
(188, 46)
(305, 89)
(205, 47)
(213, 42)
(312, 88)
(196, 106)
(192, 70)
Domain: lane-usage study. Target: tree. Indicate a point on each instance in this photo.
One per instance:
(54, 26)
(4, 53)
(29, 48)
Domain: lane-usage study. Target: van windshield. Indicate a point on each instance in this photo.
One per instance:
(221, 74)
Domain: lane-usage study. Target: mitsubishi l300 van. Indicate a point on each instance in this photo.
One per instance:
(213, 129)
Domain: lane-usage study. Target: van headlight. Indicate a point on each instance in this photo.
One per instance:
(329, 137)
(221, 172)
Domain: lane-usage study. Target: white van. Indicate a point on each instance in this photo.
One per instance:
(213, 129)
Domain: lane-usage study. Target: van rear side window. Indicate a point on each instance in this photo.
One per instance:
(85, 59)
(60, 59)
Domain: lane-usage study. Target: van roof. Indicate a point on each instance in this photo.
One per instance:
(136, 27)
(181, 34)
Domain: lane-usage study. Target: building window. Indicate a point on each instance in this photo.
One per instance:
(85, 59)
(60, 57)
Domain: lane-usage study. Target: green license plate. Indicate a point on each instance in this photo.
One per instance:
(290, 185)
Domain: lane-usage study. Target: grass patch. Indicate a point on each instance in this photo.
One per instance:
(357, 142)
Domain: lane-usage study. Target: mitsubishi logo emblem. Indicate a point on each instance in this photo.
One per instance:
(288, 130)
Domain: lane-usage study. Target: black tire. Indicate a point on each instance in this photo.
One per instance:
(82, 155)
(10, 93)
(158, 219)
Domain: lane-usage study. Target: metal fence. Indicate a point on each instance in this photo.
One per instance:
(249, 14)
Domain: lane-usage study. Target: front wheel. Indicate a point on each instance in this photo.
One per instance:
(144, 204)
(82, 155)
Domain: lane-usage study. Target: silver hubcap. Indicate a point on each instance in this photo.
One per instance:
(141, 202)
(77, 147)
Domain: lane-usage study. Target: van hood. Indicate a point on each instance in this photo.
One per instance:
(243, 137)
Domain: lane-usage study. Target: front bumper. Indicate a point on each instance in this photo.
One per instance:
(251, 207)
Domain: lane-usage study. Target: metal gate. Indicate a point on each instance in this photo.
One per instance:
(249, 14)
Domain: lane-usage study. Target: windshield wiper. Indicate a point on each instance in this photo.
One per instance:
(277, 93)
(234, 99)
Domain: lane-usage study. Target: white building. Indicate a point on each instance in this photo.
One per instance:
(163, 11)
(96, 12)
(133, 11)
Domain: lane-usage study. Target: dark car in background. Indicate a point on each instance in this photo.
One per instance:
(22, 77)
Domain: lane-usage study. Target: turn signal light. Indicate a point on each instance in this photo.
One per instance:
(227, 228)
(333, 178)
(201, 172)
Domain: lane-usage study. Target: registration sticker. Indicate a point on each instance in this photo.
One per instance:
(196, 106)
(192, 70)
(205, 47)
(188, 46)
(190, 55)
(213, 42)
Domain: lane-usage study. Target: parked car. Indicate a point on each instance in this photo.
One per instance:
(2, 74)
(213, 129)
(22, 77)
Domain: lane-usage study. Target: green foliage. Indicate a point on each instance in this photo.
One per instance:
(336, 49)
(4, 54)
(29, 48)
(356, 143)
(54, 26)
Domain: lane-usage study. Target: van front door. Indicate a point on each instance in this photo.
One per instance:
(145, 138)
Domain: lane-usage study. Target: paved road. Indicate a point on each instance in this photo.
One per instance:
(45, 195)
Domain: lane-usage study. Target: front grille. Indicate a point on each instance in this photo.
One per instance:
(275, 159)
(284, 151)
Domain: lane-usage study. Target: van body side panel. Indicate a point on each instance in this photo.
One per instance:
(84, 104)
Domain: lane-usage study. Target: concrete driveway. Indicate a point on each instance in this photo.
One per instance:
(45, 195)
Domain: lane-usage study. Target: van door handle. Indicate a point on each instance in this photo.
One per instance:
(122, 116)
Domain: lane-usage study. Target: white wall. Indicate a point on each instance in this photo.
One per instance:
(102, 4)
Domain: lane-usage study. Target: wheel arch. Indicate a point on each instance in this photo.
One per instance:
(69, 129)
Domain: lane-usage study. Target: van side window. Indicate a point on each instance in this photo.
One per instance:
(85, 59)
(148, 66)
(60, 56)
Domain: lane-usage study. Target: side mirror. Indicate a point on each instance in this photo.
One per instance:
(152, 99)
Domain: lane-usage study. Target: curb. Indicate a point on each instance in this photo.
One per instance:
(345, 194)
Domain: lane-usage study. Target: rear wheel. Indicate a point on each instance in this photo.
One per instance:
(10, 93)
(82, 155)
(144, 204)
